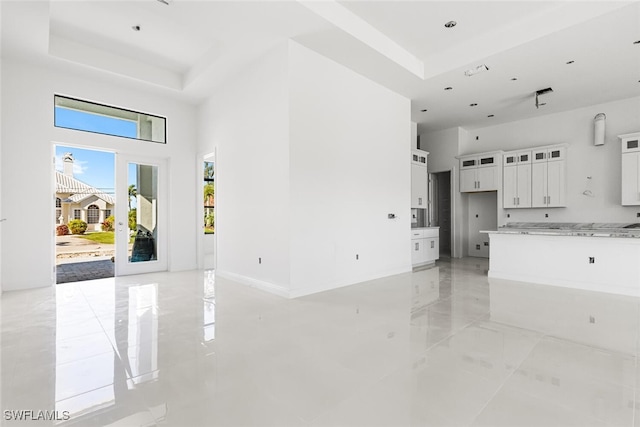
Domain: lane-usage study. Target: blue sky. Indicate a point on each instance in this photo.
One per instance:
(96, 168)
(81, 120)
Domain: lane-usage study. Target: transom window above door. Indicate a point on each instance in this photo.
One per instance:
(76, 114)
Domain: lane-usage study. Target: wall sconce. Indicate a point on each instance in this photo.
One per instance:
(598, 129)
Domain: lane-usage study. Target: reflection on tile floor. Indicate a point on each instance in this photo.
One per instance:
(438, 347)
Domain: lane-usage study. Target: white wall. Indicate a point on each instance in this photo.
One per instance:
(27, 137)
(247, 120)
(350, 167)
(602, 163)
(482, 214)
(311, 157)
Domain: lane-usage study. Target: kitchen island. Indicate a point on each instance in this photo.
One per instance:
(594, 256)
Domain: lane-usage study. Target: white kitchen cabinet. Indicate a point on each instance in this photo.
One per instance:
(630, 169)
(516, 179)
(419, 178)
(419, 157)
(418, 252)
(418, 186)
(425, 245)
(548, 181)
(479, 172)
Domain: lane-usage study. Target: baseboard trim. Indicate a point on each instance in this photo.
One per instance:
(295, 293)
(255, 283)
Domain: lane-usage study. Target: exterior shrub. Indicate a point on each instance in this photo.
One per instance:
(62, 230)
(77, 226)
(107, 224)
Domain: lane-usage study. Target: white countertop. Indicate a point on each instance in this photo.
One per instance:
(570, 229)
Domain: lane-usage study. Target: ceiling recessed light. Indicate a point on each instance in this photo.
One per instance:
(451, 24)
(448, 88)
(570, 62)
(472, 105)
(490, 115)
(136, 28)
(424, 111)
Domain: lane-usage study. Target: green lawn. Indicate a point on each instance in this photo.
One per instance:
(106, 237)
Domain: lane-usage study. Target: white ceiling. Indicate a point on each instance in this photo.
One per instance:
(191, 46)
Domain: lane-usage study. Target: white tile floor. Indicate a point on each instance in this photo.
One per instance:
(439, 347)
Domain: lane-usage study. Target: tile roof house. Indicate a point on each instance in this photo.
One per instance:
(77, 200)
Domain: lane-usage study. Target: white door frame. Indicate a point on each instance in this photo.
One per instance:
(122, 265)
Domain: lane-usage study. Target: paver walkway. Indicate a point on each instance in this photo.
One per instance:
(84, 270)
(81, 259)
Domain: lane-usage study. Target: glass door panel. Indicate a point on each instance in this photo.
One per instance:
(141, 216)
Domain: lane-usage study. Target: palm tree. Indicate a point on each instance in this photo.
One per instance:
(208, 171)
(209, 191)
(132, 193)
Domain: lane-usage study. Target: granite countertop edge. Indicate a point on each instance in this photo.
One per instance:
(579, 232)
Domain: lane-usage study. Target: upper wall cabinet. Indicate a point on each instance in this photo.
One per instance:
(630, 169)
(548, 181)
(419, 179)
(516, 179)
(480, 172)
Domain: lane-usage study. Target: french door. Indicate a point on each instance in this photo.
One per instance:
(141, 215)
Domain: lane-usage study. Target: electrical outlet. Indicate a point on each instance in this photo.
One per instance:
(508, 215)
(477, 247)
(357, 256)
(637, 214)
(592, 319)
(259, 260)
(592, 260)
(546, 215)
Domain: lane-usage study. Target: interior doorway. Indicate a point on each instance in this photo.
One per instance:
(440, 208)
(84, 213)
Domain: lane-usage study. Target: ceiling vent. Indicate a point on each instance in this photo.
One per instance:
(477, 70)
(542, 92)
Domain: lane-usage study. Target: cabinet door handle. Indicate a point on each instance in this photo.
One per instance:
(419, 200)
(514, 201)
(417, 246)
(518, 199)
(548, 200)
(432, 244)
